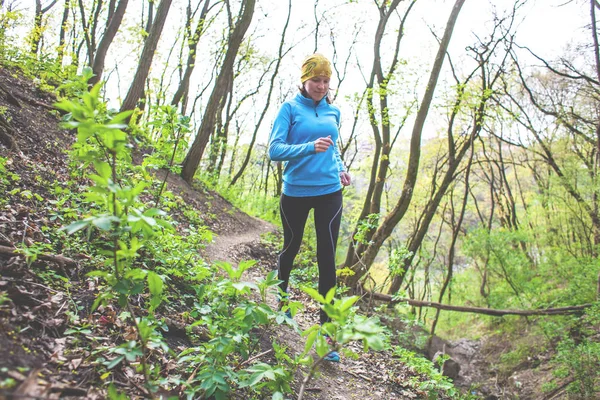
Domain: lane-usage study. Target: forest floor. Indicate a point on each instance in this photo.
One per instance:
(37, 358)
(373, 375)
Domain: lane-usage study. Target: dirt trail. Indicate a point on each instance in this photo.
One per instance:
(371, 375)
(226, 247)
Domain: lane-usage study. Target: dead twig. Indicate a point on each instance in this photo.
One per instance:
(248, 361)
(312, 371)
(360, 376)
(30, 283)
(56, 258)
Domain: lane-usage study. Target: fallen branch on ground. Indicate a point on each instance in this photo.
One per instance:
(59, 259)
(478, 310)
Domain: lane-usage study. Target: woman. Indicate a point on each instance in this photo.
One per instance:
(304, 135)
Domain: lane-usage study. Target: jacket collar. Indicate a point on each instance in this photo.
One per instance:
(310, 102)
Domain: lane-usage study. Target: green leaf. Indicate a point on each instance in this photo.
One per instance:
(95, 92)
(245, 265)
(330, 295)
(322, 347)
(314, 294)
(104, 222)
(348, 302)
(120, 118)
(225, 266)
(86, 73)
(155, 283)
(310, 339)
(155, 302)
(104, 169)
(145, 329)
(113, 394)
(64, 105)
(76, 226)
(242, 286)
(123, 286)
(138, 287)
(115, 362)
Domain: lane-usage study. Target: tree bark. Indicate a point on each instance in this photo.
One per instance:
(184, 85)
(62, 34)
(37, 24)
(111, 31)
(57, 258)
(280, 56)
(136, 90)
(215, 102)
(387, 226)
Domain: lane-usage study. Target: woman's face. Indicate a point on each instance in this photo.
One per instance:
(317, 87)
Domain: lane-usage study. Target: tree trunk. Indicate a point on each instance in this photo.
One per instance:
(215, 102)
(579, 309)
(184, 85)
(136, 90)
(452, 250)
(381, 134)
(93, 29)
(280, 54)
(37, 24)
(86, 33)
(391, 220)
(62, 34)
(456, 152)
(594, 4)
(111, 30)
(37, 27)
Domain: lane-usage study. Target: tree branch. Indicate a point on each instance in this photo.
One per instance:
(59, 259)
(479, 310)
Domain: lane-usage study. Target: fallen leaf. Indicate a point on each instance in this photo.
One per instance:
(75, 363)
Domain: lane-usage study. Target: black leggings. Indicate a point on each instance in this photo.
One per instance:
(328, 213)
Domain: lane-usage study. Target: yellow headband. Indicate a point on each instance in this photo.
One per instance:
(315, 65)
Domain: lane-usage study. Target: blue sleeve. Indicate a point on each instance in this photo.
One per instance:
(279, 149)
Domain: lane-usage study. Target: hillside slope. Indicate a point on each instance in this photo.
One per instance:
(41, 355)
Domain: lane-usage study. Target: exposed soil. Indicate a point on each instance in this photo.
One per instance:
(34, 351)
(37, 356)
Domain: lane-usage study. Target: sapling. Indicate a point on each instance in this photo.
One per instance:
(117, 213)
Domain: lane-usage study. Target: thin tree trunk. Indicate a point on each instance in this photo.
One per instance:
(594, 4)
(62, 34)
(86, 33)
(381, 134)
(392, 219)
(37, 24)
(94, 29)
(136, 90)
(112, 28)
(280, 55)
(184, 85)
(452, 250)
(215, 102)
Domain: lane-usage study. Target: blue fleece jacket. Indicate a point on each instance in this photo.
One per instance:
(299, 123)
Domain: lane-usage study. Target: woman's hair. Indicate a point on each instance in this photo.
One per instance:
(305, 94)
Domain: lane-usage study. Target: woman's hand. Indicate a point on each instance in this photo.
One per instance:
(345, 178)
(322, 144)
